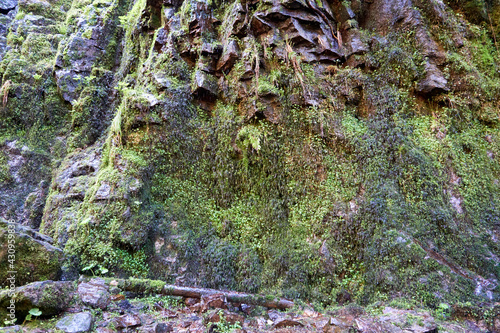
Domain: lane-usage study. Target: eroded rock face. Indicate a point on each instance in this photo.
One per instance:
(312, 30)
(434, 81)
(7, 13)
(90, 43)
(24, 181)
(386, 15)
(228, 57)
(68, 191)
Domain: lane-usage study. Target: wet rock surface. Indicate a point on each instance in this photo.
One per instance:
(434, 81)
(7, 13)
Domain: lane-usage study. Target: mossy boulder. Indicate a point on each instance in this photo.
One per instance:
(35, 258)
(51, 297)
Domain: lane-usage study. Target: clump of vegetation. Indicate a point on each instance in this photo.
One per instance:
(223, 326)
(5, 175)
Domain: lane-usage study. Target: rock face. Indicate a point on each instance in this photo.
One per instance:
(434, 81)
(7, 13)
(24, 180)
(338, 151)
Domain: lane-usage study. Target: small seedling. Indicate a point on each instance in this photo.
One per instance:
(9, 322)
(443, 311)
(35, 312)
(99, 269)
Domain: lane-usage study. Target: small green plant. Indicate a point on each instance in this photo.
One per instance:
(62, 29)
(87, 34)
(20, 15)
(122, 87)
(165, 301)
(10, 322)
(443, 311)
(489, 316)
(15, 38)
(223, 326)
(35, 312)
(249, 135)
(135, 264)
(98, 269)
(37, 77)
(353, 23)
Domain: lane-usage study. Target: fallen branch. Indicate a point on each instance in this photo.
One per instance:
(160, 287)
(231, 296)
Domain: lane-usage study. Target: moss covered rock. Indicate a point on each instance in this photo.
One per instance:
(27, 256)
(50, 297)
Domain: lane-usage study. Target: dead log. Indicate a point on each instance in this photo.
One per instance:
(231, 296)
(160, 287)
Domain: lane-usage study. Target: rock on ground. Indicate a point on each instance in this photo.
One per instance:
(51, 297)
(94, 293)
(35, 257)
(76, 323)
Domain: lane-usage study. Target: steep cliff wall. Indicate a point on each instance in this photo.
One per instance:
(329, 150)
